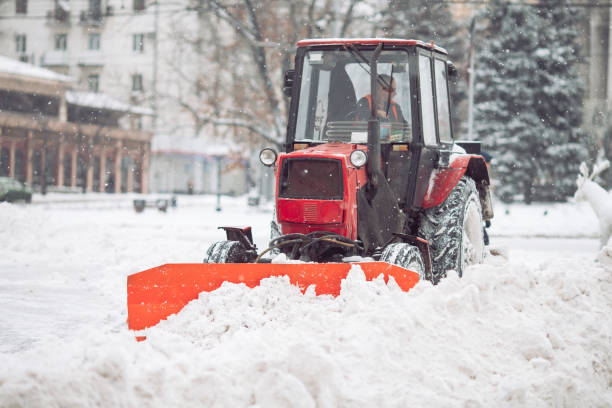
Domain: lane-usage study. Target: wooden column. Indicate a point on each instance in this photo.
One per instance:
(60, 162)
(144, 170)
(118, 155)
(90, 167)
(42, 174)
(89, 178)
(63, 108)
(12, 159)
(74, 157)
(130, 177)
(103, 169)
(29, 154)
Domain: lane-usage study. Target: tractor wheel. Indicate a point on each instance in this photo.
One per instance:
(226, 252)
(406, 256)
(454, 230)
(275, 232)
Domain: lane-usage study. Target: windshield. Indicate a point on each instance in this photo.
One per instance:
(335, 97)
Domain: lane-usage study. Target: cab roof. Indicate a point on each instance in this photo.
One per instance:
(369, 41)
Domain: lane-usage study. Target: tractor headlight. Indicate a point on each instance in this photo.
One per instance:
(358, 158)
(267, 156)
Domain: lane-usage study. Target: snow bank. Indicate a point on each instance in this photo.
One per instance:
(507, 333)
(575, 220)
(605, 255)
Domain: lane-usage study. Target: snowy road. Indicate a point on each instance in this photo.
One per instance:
(523, 331)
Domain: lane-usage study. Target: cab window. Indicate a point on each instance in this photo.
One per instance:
(427, 102)
(444, 124)
(335, 97)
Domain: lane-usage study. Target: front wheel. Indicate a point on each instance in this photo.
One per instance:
(406, 256)
(454, 230)
(226, 252)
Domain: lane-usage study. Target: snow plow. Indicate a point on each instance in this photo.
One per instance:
(370, 175)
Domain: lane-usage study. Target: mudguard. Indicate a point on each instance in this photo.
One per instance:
(444, 180)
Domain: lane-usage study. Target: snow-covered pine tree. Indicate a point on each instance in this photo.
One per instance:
(504, 117)
(528, 98)
(430, 20)
(559, 95)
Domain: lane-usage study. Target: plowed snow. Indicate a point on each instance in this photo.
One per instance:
(531, 330)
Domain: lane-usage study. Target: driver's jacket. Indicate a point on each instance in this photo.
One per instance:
(364, 108)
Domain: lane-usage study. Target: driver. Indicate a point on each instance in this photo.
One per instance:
(386, 108)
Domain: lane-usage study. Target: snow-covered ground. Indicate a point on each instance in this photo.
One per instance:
(530, 328)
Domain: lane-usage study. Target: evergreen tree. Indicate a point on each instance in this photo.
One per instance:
(528, 99)
(430, 20)
(559, 95)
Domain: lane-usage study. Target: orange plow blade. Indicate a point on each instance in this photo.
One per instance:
(157, 293)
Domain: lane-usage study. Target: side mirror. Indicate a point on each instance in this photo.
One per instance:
(452, 69)
(288, 82)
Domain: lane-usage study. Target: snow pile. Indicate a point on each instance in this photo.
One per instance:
(532, 330)
(507, 333)
(575, 220)
(605, 255)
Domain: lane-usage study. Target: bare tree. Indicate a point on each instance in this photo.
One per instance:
(245, 46)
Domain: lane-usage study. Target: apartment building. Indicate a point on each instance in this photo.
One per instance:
(135, 51)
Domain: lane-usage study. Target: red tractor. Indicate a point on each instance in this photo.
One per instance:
(370, 172)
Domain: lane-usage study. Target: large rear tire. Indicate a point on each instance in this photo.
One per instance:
(454, 230)
(226, 252)
(406, 256)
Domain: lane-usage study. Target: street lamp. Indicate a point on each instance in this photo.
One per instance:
(218, 158)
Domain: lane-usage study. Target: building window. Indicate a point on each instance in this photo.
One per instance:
(20, 43)
(139, 5)
(93, 41)
(137, 82)
(21, 6)
(95, 7)
(138, 42)
(61, 41)
(93, 82)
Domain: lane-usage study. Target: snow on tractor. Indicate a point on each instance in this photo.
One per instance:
(370, 175)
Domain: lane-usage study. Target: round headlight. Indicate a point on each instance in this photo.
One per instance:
(267, 156)
(358, 158)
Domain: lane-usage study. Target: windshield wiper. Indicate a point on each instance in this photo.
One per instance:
(389, 93)
(357, 55)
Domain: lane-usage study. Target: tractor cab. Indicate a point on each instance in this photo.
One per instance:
(400, 87)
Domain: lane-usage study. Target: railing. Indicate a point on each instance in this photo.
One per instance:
(58, 16)
(91, 17)
(55, 58)
(91, 59)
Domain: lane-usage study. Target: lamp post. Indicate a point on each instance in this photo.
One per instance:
(218, 158)
(471, 80)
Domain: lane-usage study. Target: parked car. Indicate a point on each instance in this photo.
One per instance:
(12, 190)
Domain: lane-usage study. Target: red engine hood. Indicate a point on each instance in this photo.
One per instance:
(332, 150)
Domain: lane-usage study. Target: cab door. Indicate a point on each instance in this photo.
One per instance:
(430, 146)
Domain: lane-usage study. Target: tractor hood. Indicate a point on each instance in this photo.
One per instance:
(335, 150)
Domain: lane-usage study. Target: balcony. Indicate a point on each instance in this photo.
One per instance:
(95, 16)
(56, 58)
(58, 17)
(27, 58)
(92, 17)
(91, 59)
